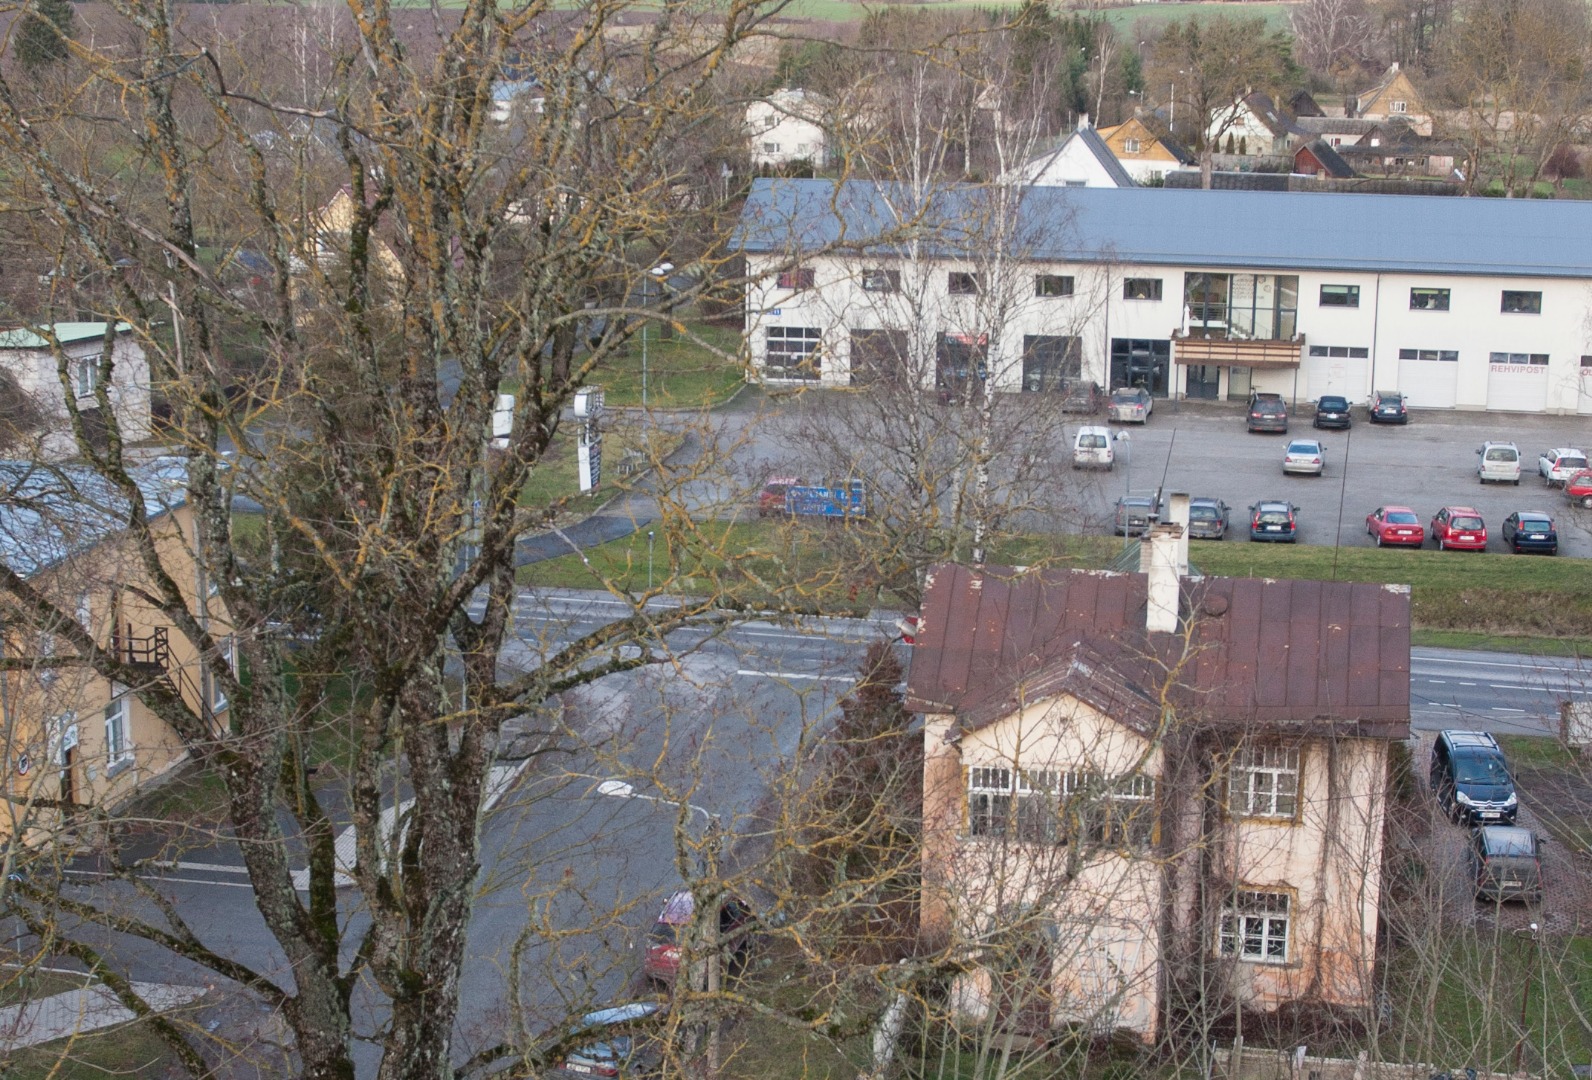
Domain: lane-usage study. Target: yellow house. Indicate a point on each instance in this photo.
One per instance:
(72, 738)
(1395, 97)
(1146, 156)
(1145, 789)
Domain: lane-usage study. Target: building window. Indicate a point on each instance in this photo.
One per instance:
(1340, 296)
(1586, 363)
(1446, 356)
(1255, 927)
(1263, 782)
(795, 279)
(1400, 106)
(793, 352)
(47, 673)
(1261, 307)
(1521, 303)
(87, 376)
(1130, 146)
(1353, 352)
(118, 744)
(1021, 803)
(959, 359)
(1141, 288)
(1052, 285)
(881, 281)
(218, 690)
(1051, 361)
(1428, 299)
(1120, 815)
(1535, 359)
(1043, 806)
(771, 148)
(961, 283)
(881, 356)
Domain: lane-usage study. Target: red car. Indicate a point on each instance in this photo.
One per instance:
(1395, 525)
(1579, 488)
(662, 961)
(1460, 528)
(771, 500)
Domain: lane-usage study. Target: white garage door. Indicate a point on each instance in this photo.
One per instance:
(1428, 383)
(1517, 382)
(1338, 373)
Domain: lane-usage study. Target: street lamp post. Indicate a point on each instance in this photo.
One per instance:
(1525, 995)
(649, 560)
(1125, 448)
(708, 912)
(656, 273)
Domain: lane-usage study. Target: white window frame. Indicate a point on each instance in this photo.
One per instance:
(86, 377)
(1263, 782)
(218, 694)
(118, 736)
(1255, 926)
(797, 346)
(1399, 106)
(1130, 146)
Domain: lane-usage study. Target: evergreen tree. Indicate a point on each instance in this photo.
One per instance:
(44, 34)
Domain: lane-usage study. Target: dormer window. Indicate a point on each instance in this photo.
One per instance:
(1130, 146)
(1400, 106)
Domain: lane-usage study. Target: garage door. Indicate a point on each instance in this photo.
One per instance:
(1429, 378)
(1335, 369)
(1517, 382)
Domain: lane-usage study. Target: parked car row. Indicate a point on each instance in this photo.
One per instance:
(1461, 528)
(1471, 781)
(1269, 412)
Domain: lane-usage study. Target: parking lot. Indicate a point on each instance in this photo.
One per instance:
(1203, 449)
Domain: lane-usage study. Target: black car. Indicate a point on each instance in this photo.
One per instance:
(1471, 779)
(1268, 412)
(1506, 863)
(1207, 519)
(1528, 530)
(1135, 514)
(1332, 411)
(1387, 407)
(1082, 397)
(1274, 519)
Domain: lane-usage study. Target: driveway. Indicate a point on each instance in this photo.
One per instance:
(1203, 449)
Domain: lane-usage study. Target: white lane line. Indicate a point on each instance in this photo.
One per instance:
(1438, 682)
(1500, 708)
(1464, 683)
(796, 675)
(203, 867)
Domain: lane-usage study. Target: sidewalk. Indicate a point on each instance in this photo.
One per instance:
(77, 1012)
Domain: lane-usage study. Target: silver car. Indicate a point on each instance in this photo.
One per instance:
(1305, 456)
(1130, 405)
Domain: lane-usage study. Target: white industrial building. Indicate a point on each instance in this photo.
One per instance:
(1460, 303)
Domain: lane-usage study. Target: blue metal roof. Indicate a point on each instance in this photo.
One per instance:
(50, 512)
(1239, 230)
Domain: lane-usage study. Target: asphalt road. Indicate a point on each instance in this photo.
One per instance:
(1428, 464)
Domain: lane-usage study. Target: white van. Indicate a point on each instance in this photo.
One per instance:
(1092, 449)
(1500, 461)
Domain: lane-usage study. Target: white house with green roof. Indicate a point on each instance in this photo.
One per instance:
(101, 366)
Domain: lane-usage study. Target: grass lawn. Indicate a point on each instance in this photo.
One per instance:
(129, 1050)
(682, 373)
(556, 477)
(1275, 14)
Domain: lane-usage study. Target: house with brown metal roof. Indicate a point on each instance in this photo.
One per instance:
(1146, 789)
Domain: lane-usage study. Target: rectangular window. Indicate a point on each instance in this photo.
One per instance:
(218, 691)
(881, 281)
(959, 359)
(793, 352)
(1020, 803)
(118, 745)
(1043, 806)
(1400, 106)
(1521, 303)
(1051, 362)
(87, 376)
(1052, 285)
(1340, 296)
(1586, 363)
(1263, 782)
(1446, 356)
(1428, 299)
(771, 148)
(1141, 288)
(795, 279)
(1536, 359)
(1246, 307)
(1255, 927)
(1357, 352)
(961, 283)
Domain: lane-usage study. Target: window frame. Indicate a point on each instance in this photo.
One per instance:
(879, 279)
(1131, 146)
(1060, 807)
(1259, 903)
(785, 333)
(1350, 296)
(962, 283)
(118, 720)
(1154, 286)
(796, 278)
(1257, 761)
(1431, 356)
(217, 697)
(1054, 286)
(1518, 359)
(1341, 352)
(85, 379)
(1523, 297)
(1440, 299)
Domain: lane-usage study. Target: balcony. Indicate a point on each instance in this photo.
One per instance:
(150, 653)
(1238, 352)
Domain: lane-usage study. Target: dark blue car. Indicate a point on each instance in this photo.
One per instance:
(1528, 530)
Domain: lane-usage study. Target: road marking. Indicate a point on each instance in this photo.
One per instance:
(1463, 683)
(203, 867)
(796, 675)
(1500, 708)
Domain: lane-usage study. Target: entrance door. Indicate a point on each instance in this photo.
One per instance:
(1141, 362)
(1203, 381)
